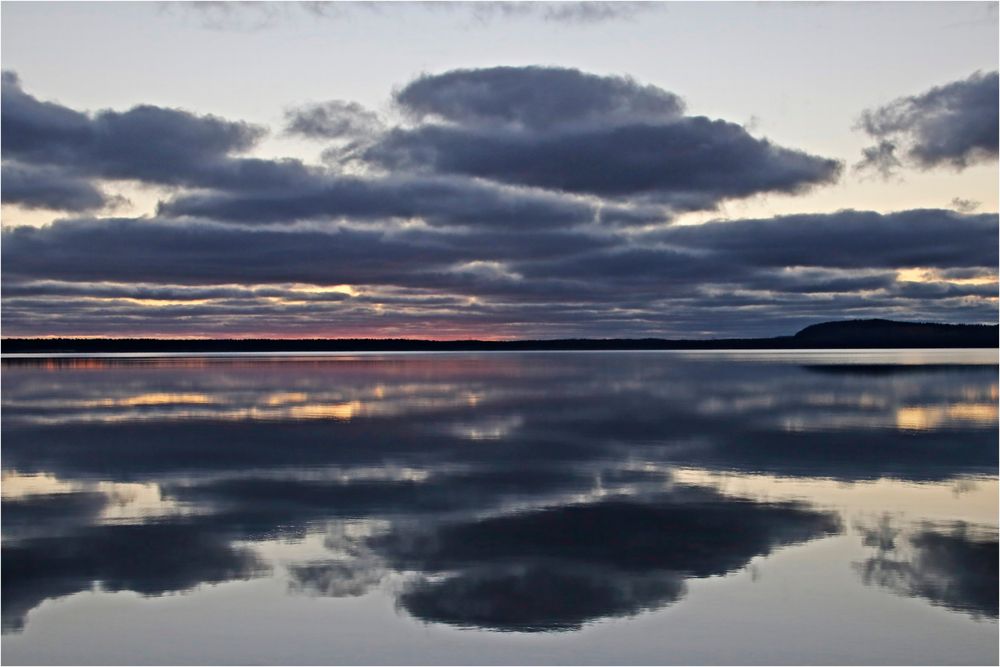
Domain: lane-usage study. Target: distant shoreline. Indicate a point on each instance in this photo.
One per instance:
(851, 334)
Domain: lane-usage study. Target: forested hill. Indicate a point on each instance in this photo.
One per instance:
(887, 333)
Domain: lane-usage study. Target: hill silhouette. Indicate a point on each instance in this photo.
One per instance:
(874, 333)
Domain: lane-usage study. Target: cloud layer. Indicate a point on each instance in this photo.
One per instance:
(498, 202)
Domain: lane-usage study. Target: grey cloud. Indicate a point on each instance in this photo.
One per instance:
(848, 239)
(460, 251)
(145, 143)
(534, 97)
(198, 253)
(965, 205)
(690, 164)
(881, 157)
(152, 291)
(566, 130)
(436, 200)
(954, 124)
(251, 16)
(529, 282)
(331, 120)
(594, 11)
(61, 153)
(569, 13)
(49, 188)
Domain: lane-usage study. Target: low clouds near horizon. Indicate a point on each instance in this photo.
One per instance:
(495, 202)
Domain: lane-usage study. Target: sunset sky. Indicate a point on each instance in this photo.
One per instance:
(495, 170)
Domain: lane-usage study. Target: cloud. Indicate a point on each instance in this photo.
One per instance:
(565, 130)
(331, 120)
(146, 143)
(567, 13)
(253, 16)
(49, 188)
(950, 125)
(848, 239)
(593, 11)
(790, 271)
(965, 205)
(145, 251)
(543, 207)
(534, 98)
(438, 201)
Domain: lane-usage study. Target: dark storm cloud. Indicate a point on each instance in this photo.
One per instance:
(331, 120)
(49, 188)
(954, 124)
(566, 130)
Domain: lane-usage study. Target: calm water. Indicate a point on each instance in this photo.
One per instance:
(650, 507)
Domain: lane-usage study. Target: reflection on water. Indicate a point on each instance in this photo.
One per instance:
(554, 568)
(954, 566)
(538, 495)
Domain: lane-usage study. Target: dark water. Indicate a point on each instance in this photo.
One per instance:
(652, 507)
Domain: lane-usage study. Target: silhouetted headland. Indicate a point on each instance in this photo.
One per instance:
(845, 334)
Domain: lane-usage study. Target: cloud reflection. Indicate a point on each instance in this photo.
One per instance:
(953, 566)
(512, 492)
(557, 568)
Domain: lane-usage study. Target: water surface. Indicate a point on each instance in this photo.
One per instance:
(817, 507)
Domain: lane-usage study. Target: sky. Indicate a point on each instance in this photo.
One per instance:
(495, 170)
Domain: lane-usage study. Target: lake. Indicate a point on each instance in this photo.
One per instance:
(819, 507)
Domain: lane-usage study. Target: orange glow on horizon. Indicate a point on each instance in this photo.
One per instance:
(921, 275)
